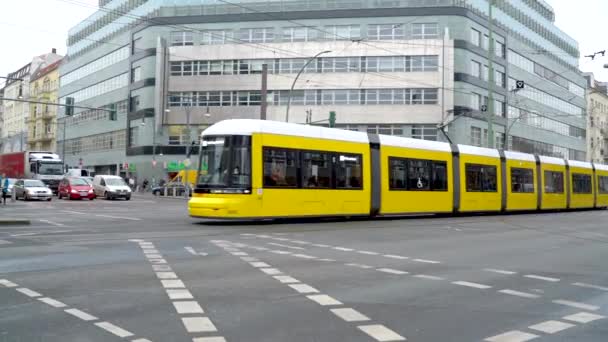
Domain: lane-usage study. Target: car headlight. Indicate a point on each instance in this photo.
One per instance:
(90, 190)
(74, 191)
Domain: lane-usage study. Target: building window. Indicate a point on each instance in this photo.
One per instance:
(425, 31)
(343, 32)
(417, 175)
(182, 38)
(385, 32)
(216, 37)
(499, 78)
(554, 182)
(481, 178)
(522, 180)
(424, 132)
(581, 183)
(602, 182)
(500, 141)
(297, 34)
(476, 69)
(475, 37)
(475, 136)
(257, 35)
(135, 103)
(135, 74)
(133, 136)
(500, 108)
(280, 168)
(499, 49)
(476, 101)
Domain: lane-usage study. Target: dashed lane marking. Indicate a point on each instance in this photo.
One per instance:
(499, 271)
(381, 333)
(343, 249)
(193, 252)
(320, 245)
(81, 314)
(473, 285)
(534, 276)
(324, 300)
(590, 286)
(583, 317)
(119, 217)
(179, 294)
(393, 256)
(368, 252)
(280, 252)
(427, 261)
(28, 292)
(519, 294)
(118, 331)
(189, 307)
(304, 256)
(303, 288)
(249, 259)
(7, 283)
(285, 246)
(209, 339)
(198, 324)
(359, 265)
(391, 270)
(259, 264)
(150, 251)
(286, 279)
(270, 271)
(173, 284)
(430, 277)
(4, 242)
(349, 315)
(512, 336)
(551, 327)
(52, 302)
(161, 268)
(577, 305)
(74, 212)
(52, 223)
(166, 275)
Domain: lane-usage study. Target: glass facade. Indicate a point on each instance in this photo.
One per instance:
(96, 65)
(100, 88)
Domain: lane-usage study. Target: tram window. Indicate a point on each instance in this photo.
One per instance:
(348, 171)
(316, 170)
(581, 184)
(481, 178)
(554, 182)
(522, 180)
(418, 175)
(602, 184)
(280, 168)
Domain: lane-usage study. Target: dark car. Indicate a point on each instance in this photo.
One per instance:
(75, 188)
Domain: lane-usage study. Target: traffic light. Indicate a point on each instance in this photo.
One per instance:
(113, 114)
(332, 119)
(69, 106)
(20, 94)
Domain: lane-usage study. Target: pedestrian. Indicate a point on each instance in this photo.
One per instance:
(132, 183)
(4, 186)
(145, 184)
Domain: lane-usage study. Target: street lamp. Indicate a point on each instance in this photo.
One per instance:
(296, 79)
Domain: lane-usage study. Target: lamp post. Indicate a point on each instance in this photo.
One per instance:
(296, 79)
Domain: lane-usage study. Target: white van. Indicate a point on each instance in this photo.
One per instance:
(79, 173)
(111, 187)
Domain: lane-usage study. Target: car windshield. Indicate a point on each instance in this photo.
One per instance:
(34, 184)
(225, 162)
(78, 181)
(50, 169)
(115, 181)
(11, 181)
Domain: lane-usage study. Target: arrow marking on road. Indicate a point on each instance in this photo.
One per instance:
(193, 252)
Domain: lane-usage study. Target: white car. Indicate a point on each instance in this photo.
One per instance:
(29, 189)
(111, 187)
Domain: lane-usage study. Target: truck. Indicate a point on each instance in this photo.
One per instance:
(44, 166)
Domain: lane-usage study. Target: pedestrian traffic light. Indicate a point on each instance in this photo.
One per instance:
(332, 119)
(69, 106)
(113, 114)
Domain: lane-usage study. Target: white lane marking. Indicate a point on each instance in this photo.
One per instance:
(161, 268)
(173, 284)
(392, 256)
(344, 249)
(304, 256)
(158, 261)
(209, 339)
(551, 327)
(120, 217)
(118, 331)
(28, 292)
(57, 224)
(324, 300)
(166, 275)
(359, 266)
(281, 239)
(349, 315)
(23, 234)
(427, 261)
(286, 246)
(259, 264)
(77, 213)
(381, 333)
(151, 251)
(499, 271)
(4, 242)
(390, 270)
(367, 252)
(189, 307)
(153, 256)
(512, 336)
(141, 340)
(260, 248)
(424, 276)
(303, 288)
(81, 314)
(239, 253)
(300, 242)
(193, 252)
(52, 302)
(583, 317)
(270, 271)
(136, 240)
(326, 259)
(249, 259)
(179, 294)
(320, 245)
(286, 279)
(519, 294)
(534, 276)
(469, 284)
(7, 283)
(280, 252)
(577, 305)
(198, 324)
(590, 286)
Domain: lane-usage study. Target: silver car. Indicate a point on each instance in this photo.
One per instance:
(29, 189)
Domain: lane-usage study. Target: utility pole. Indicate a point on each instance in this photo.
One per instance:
(490, 112)
(264, 93)
(296, 79)
(187, 161)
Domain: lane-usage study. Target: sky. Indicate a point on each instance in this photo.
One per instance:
(33, 27)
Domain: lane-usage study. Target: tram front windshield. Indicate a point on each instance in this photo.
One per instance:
(225, 164)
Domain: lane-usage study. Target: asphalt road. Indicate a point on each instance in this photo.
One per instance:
(144, 271)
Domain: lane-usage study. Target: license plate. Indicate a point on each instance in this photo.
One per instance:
(83, 194)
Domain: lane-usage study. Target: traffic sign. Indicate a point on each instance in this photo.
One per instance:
(484, 108)
(520, 84)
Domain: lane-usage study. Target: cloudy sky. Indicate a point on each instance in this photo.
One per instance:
(33, 27)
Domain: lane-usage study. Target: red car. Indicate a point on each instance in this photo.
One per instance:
(75, 188)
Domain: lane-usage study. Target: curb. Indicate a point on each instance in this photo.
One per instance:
(10, 222)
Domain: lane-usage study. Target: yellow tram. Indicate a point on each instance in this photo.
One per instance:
(255, 169)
